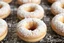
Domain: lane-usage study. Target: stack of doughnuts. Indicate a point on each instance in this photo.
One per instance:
(4, 12)
(57, 22)
(31, 28)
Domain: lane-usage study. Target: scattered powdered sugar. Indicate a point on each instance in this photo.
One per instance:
(27, 33)
(12, 37)
(57, 23)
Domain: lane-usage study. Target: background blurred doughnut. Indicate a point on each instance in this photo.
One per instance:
(4, 9)
(57, 7)
(58, 24)
(52, 1)
(3, 29)
(7, 1)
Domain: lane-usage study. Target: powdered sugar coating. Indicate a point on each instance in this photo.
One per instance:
(59, 25)
(57, 7)
(29, 33)
(26, 1)
(3, 26)
(52, 1)
(35, 14)
(5, 8)
(57, 0)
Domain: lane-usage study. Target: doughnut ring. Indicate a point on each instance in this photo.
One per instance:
(4, 10)
(3, 29)
(7, 1)
(30, 10)
(58, 24)
(57, 7)
(31, 29)
(28, 1)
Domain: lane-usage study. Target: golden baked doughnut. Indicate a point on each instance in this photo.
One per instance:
(52, 1)
(31, 29)
(57, 7)
(28, 1)
(3, 29)
(30, 10)
(7, 1)
(4, 9)
(58, 24)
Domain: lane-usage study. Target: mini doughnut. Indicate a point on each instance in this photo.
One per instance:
(4, 10)
(28, 1)
(7, 1)
(58, 24)
(52, 1)
(31, 29)
(3, 29)
(30, 10)
(57, 7)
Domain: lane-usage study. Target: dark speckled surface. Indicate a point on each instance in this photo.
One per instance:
(12, 20)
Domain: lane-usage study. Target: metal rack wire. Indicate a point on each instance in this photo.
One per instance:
(12, 20)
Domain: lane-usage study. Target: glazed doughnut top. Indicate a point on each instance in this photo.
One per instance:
(3, 26)
(40, 29)
(58, 22)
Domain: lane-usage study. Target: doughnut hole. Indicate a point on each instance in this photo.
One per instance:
(29, 9)
(0, 6)
(31, 26)
(62, 19)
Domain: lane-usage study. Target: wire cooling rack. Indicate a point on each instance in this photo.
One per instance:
(12, 20)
